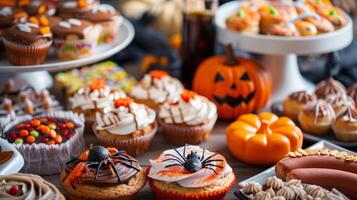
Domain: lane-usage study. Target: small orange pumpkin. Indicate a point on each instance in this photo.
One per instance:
(263, 139)
(236, 85)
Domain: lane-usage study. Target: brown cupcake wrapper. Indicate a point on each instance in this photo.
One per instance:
(19, 54)
(181, 135)
(134, 146)
(44, 159)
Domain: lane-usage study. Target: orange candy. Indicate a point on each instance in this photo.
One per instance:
(33, 20)
(46, 130)
(35, 123)
(83, 3)
(51, 142)
(45, 30)
(158, 74)
(11, 3)
(30, 139)
(20, 15)
(69, 125)
(52, 134)
(123, 102)
(97, 84)
(42, 9)
(24, 133)
(58, 139)
(188, 95)
(44, 21)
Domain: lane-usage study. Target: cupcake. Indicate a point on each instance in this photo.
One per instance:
(339, 103)
(156, 88)
(45, 141)
(28, 186)
(75, 38)
(352, 92)
(190, 172)
(189, 120)
(103, 173)
(129, 126)
(328, 87)
(97, 96)
(38, 7)
(296, 102)
(317, 118)
(27, 43)
(345, 126)
(108, 18)
(74, 8)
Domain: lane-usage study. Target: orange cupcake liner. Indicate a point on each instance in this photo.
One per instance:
(168, 195)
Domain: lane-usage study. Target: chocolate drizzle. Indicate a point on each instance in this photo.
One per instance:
(319, 109)
(349, 115)
(328, 87)
(302, 97)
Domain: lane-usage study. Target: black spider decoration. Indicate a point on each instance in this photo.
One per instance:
(193, 162)
(100, 158)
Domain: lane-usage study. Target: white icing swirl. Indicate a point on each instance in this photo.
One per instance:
(101, 99)
(179, 175)
(197, 110)
(126, 120)
(159, 90)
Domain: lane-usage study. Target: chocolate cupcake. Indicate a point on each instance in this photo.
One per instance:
(296, 102)
(27, 43)
(108, 18)
(75, 38)
(328, 87)
(74, 8)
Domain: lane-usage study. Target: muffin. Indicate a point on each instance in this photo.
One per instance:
(189, 120)
(103, 173)
(27, 43)
(329, 87)
(74, 8)
(345, 126)
(190, 172)
(97, 96)
(45, 141)
(129, 126)
(352, 92)
(156, 88)
(296, 102)
(28, 186)
(108, 18)
(38, 7)
(317, 118)
(339, 103)
(75, 38)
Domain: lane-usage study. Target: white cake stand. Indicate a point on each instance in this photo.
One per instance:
(281, 52)
(38, 74)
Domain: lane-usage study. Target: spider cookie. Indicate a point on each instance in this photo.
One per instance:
(103, 173)
(190, 172)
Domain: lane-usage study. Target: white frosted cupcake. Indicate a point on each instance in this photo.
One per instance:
(156, 88)
(189, 120)
(129, 126)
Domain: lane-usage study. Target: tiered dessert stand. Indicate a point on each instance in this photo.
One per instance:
(38, 75)
(280, 53)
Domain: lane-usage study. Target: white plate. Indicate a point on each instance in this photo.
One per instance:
(126, 35)
(15, 163)
(261, 177)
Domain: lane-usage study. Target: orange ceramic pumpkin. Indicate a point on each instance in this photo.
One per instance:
(235, 85)
(263, 139)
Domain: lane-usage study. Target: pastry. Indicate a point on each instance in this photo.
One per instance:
(108, 18)
(156, 88)
(323, 167)
(190, 172)
(45, 141)
(345, 126)
(103, 173)
(129, 126)
(75, 38)
(271, 16)
(317, 118)
(339, 103)
(38, 7)
(252, 134)
(352, 92)
(296, 102)
(246, 20)
(27, 43)
(28, 186)
(189, 120)
(329, 87)
(74, 8)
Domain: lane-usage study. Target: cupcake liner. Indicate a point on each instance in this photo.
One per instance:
(181, 135)
(47, 159)
(74, 49)
(110, 30)
(133, 146)
(19, 54)
(160, 194)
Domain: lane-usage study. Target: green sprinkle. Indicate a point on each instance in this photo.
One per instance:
(52, 126)
(333, 13)
(19, 141)
(34, 133)
(241, 13)
(273, 11)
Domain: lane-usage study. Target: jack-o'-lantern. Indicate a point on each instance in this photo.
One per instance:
(235, 85)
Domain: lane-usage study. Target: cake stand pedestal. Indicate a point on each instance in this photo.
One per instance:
(280, 53)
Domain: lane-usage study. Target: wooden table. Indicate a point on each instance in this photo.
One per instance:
(216, 143)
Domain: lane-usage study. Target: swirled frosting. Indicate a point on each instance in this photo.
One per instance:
(315, 191)
(29, 187)
(295, 183)
(157, 86)
(262, 196)
(274, 182)
(287, 193)
(126, 118)
(166, 168)
(252, 188)
(302, 97)
(299, 192)
(96, 95)
(328, 87)
(190, 109)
